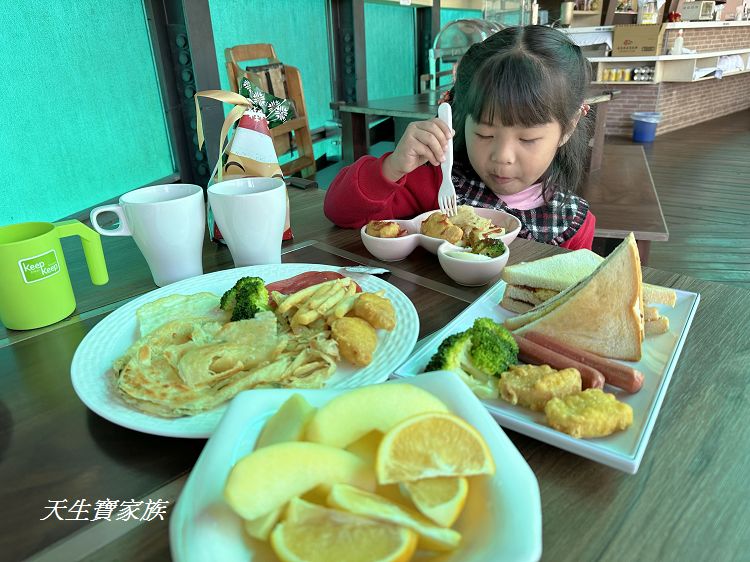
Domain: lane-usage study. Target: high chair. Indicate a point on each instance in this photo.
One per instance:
(282, 81)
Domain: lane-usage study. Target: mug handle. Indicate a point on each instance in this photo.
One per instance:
(121, 230)
(92, 248)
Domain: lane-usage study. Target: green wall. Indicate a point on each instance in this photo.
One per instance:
(389, 44)
(297, 30)
(82, 119)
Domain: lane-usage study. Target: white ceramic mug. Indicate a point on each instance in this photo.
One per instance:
(250, 213)
(168, 223)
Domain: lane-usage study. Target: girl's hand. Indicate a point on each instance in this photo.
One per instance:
(423, 141)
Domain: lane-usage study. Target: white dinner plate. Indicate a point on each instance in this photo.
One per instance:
(502, 519)
(622, 450)
(93, 378)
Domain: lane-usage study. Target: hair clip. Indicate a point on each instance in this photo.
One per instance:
(446, 97)
(585, 109)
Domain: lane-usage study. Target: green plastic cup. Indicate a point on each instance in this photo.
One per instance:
(35, 290)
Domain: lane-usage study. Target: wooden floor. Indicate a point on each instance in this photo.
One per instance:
(702, 177)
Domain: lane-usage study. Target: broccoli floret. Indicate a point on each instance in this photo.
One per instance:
(490, 247)
(504, 334)
(479, 355)
(248, 297)
(449, 353)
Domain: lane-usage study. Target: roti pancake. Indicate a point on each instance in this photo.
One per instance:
(178, 307)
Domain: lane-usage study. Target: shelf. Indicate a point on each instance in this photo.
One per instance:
(670, 57)
(586, 13)
(622, 82)
(724, 75)
(699, 24)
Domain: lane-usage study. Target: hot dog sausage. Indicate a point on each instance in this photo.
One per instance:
(616, 374)
(539, 355)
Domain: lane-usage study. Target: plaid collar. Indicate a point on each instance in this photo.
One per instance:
(555, 222)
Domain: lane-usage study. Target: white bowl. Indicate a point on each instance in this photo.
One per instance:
(502, 519)
(392, 249)
(395, 249)
(470, 273)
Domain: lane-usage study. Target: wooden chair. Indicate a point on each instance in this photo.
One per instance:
(436, 82)
(282, 81)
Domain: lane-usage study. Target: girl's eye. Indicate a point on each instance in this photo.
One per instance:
(528, 141)
(484, 136)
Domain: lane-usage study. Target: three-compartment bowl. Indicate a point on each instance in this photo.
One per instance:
(462, 271)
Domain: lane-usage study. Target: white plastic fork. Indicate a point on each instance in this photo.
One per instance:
(447, 193)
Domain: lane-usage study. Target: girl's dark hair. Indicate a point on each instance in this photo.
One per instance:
(525, 76)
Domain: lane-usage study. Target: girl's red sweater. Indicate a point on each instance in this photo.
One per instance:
(360, 193)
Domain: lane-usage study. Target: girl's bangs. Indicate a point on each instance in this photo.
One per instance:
(515, 90)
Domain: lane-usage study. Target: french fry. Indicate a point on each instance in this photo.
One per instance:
(296, 298)
(332, 301)
(343, 308)
(303, 317)
(321, 295)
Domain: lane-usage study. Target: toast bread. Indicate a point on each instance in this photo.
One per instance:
(602, 313)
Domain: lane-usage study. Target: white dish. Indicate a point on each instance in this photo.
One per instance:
(91, 370)
(502, 520)
(395, 249)
(623, 450)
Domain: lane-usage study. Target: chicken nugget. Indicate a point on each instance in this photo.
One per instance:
(437, 225)
(357, 339)
(383, 229)
(376, 310)
(533, 386)
(591, 413)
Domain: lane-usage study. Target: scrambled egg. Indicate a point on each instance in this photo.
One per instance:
(591, 413)
(533, 386)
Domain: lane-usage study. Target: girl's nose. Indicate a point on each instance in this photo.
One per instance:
(502, 153)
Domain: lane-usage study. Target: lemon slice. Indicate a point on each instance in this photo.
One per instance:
(440, 499)
(432, 445)
(311, 533)
(431, 536)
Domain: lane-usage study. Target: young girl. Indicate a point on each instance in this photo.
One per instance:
(520, 144)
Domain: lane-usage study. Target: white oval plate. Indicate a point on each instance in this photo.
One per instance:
(502, 519)
(93, 378)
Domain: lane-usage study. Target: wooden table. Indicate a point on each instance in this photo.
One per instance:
(623, 199)
(685, 503)
(404, 109)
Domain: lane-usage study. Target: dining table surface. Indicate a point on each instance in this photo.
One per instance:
(689, 500)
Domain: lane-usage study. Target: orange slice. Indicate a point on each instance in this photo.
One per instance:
(440, 499)
(431, 536)
(432, 445)
(312, 533)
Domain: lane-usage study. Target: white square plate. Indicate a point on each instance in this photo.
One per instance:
(623, 450)
(502, 519)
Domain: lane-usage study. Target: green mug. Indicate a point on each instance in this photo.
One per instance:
(35, 290)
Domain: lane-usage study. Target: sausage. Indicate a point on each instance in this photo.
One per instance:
(536, 354)
(616, 374)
